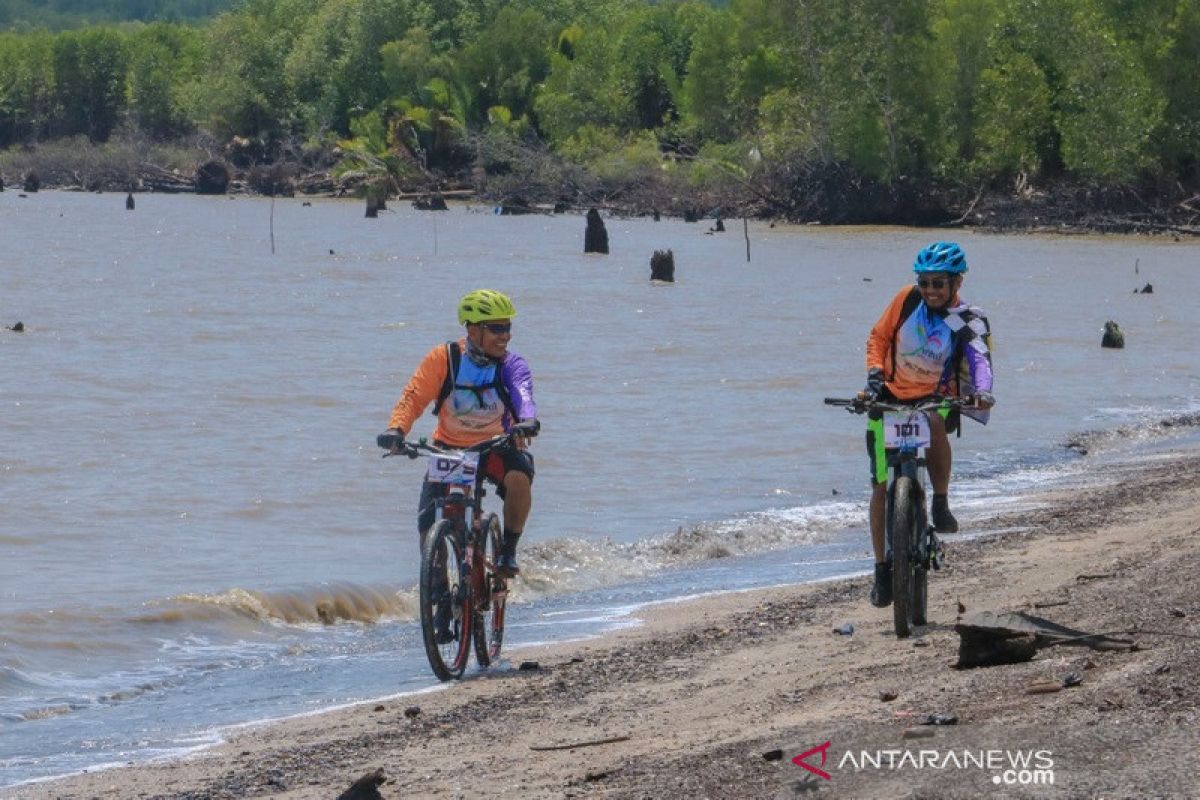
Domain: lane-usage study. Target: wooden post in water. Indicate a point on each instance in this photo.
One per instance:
(595, 236)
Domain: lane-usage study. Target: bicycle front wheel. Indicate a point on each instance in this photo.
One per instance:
(904, 531)
(445, 602)
(493, 595)
(920, 604)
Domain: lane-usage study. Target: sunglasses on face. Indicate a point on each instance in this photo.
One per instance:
(932, 283)
(498, 328)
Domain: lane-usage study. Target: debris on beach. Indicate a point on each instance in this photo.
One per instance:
(366, 787)
(412, 712)
(989, 639)
(573, 745)
(939, 719)
(1043, 687)
(888, 695)
(529, 666)
(917, 733)
(845, 629)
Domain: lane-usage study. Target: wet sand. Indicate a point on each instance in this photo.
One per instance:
(713, 697)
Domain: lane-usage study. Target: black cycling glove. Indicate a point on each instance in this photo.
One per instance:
(390, 439)
(874, 387)
(527, 428)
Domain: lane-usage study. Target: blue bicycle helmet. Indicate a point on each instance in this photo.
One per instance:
(941, 257)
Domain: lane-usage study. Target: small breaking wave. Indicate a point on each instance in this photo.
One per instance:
(326, 605)
(570, 565)
(1142, 431)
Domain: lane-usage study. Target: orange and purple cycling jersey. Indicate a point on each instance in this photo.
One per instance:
(917, 353)
(474, 411)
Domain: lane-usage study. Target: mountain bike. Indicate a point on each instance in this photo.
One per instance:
(912, 544)
(462, 597)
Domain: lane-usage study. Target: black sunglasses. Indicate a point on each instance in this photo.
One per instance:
(932, 283)
(498, 328)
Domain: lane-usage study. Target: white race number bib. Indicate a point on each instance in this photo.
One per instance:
(906, 431)
(458, 469)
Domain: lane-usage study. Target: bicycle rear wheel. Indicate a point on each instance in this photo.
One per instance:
(904, 567)
(491, 601)
(445, 602)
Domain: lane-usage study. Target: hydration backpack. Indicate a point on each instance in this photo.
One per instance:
(454, 357)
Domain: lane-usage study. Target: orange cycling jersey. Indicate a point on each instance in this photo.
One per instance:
(912, 350)
(474, 411)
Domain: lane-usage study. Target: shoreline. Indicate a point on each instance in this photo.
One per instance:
(1058, 208)
(688, 702)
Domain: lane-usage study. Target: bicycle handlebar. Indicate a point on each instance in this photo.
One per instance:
(414, 450)
(861, 405)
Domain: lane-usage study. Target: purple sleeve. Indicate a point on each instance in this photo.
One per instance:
(518, 380)
(981, 369)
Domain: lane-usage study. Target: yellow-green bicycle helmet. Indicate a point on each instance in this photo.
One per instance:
(484, 305)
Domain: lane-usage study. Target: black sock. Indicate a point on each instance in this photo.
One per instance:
(508, 546)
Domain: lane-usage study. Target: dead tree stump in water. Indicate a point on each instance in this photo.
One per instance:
(372, 207)
(1113, 336)
(129, 201)
(212, 178)
(662, 266)
(595, 238)
(430, 202)
(32, 182)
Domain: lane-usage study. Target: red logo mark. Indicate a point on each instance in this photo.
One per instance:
(823, 750)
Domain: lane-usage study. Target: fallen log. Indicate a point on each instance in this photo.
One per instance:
(988, 638)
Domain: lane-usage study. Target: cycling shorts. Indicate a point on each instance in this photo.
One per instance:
(495, 466)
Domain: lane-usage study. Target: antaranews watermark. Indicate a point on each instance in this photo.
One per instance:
(1008, 767)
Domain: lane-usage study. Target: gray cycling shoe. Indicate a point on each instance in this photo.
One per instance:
(943, 520)
(881, 592)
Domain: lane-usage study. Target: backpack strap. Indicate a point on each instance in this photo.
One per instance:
(454, 358)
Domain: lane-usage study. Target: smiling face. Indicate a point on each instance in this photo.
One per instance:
(939, 289)
(491, 337)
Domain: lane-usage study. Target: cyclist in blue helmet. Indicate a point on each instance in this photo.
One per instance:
(927, 342)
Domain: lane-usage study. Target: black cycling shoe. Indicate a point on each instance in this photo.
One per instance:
(943, 520)
(881, 592)
(443, 620)
(506, 565)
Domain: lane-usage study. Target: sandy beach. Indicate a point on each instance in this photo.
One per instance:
(713, 697)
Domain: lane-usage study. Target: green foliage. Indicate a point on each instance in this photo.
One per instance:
(26, 87)
(163, 60)
(60, 14)
(894, 91)
(90, 68)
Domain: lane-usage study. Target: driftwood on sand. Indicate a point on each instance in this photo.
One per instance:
(988, 638)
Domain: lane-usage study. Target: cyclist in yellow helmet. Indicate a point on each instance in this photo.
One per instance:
(480, 389)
